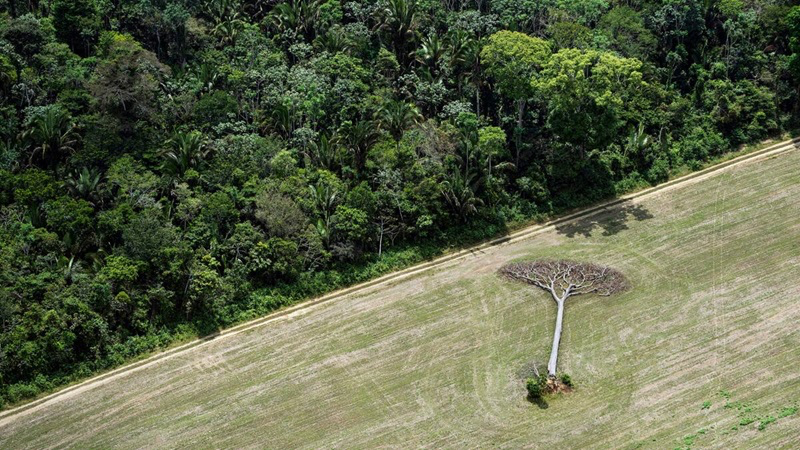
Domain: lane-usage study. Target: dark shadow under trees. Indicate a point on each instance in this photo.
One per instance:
(611, 220)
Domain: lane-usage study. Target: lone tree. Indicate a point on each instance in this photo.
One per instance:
(565, 279)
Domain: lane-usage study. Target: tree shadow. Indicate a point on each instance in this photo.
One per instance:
(210, 336)
(539, 401)
(531, 369)
(611, 219)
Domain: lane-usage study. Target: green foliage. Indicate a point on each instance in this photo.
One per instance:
(279, 215)
(586, 12)
(206, 288)
(184, 151)
(741, 111)
(77, 23)
(126, 80)
(26, 34)
(793, 25)
(746, 414)
(787, 411)
(214, 108)
(70, 218)
(590, 95)
(570, 35)
(275, 259)
(512, 59)
(536, 386)
(627, 33)
(119, 270)
(700, 145)
(50, 133)
(351, 223)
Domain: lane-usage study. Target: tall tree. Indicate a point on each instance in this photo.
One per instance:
(590, 95)
(126, 81)
(51, 134)
(184, 151)
(395, 116)
(358, 138)
(512, 59)
(77, 23)
(398, 22)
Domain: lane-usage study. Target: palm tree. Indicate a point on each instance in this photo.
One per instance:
(637, 145)
(464, 52)
(325, 199)
(468, 137)
(284, 119)
(256, 9)
(185, 151)
(9, 152)
(400, 21)
(221, 10)
(7, 77)
(396, 116)
(358, 138)
(333, 41)
(228, 30)
(285, 16)
(207, 75)
(226, 18)
(460, 193)
(84, 184)
(430, 52)
(69, 268)
(327, 152)
(51, 133)
(298, 16)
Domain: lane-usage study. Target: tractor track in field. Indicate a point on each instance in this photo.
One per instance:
(72, 391)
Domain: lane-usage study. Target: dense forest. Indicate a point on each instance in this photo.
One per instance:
(170, 167)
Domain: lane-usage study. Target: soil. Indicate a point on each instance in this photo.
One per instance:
(556, 386)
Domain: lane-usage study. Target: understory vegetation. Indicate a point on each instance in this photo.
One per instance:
(170, 167)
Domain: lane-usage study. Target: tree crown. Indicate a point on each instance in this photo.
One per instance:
(564, 278)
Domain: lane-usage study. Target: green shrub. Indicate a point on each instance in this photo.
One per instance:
(659, 171)
(535, 386)
(700, 145)
(214, 108)
(566, 379)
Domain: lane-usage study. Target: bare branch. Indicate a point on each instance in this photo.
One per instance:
(564, 279)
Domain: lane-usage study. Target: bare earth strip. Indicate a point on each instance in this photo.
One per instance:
(433, 359)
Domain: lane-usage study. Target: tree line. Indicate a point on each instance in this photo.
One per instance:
(169, 167)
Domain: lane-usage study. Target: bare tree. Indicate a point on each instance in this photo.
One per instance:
(565, 279)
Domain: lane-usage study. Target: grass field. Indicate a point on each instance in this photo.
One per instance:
(701, 353)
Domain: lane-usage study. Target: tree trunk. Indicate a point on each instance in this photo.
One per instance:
(518, 130)
(380, 240)
(477, 100)
(551, 366)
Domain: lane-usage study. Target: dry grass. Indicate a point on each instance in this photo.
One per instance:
(434, 361)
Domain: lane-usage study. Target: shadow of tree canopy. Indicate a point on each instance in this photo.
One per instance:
(539, 401)
(611, 220)
(532, 369)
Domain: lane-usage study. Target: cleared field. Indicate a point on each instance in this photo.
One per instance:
(435, 361)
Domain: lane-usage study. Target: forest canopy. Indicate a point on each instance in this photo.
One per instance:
(170, 167)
